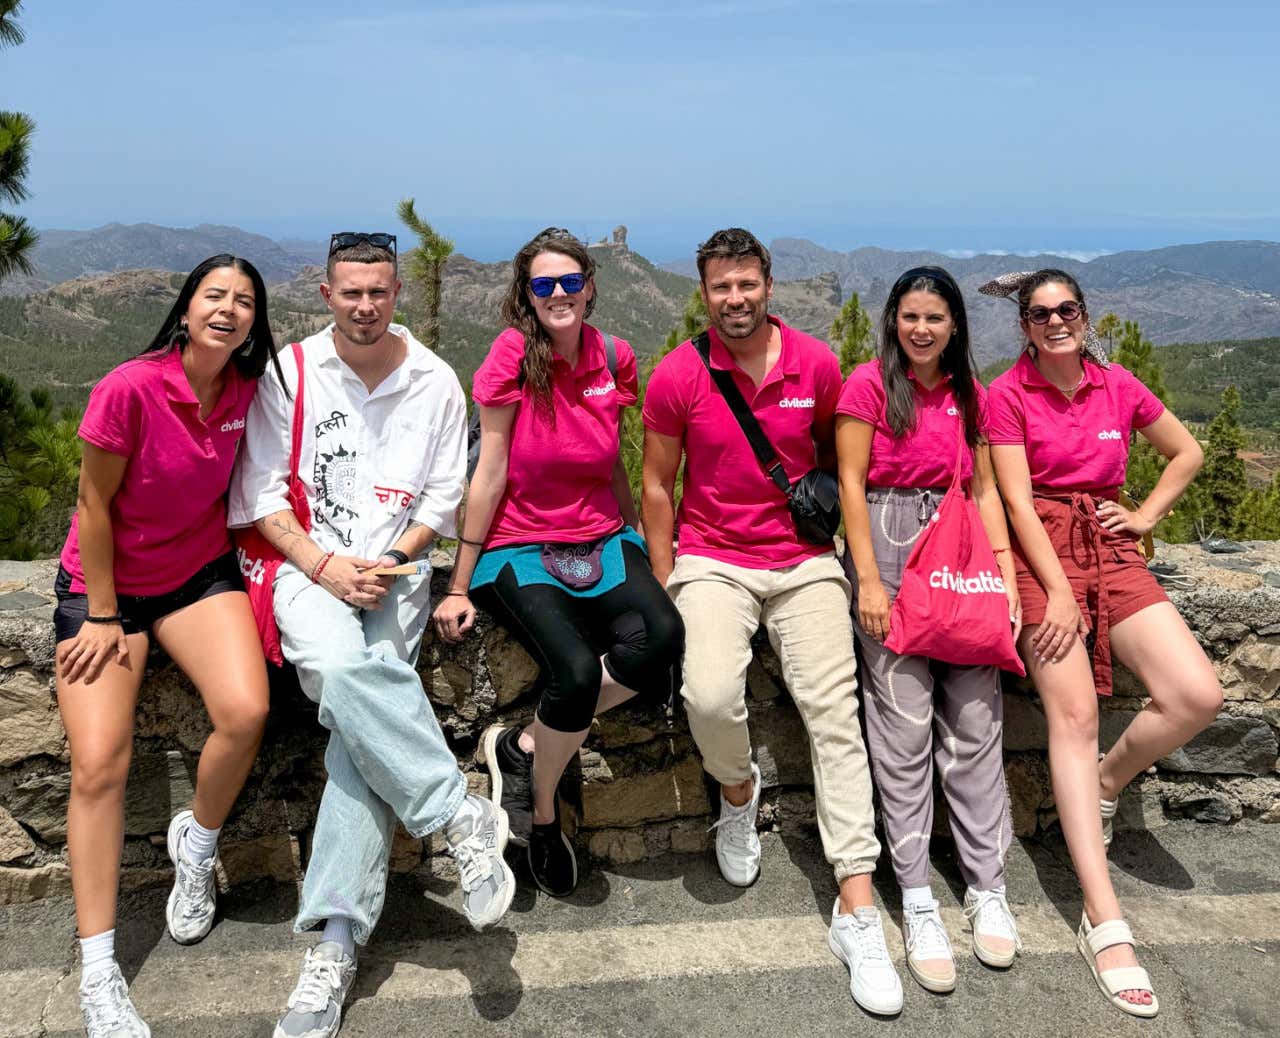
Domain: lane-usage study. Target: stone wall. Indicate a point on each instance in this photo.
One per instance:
(641, 790)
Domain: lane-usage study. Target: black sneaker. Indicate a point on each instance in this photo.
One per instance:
(511, 779)
(551, 859)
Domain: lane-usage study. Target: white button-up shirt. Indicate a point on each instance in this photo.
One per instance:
(371, 462)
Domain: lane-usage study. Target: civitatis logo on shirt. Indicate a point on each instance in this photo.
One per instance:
(604, 390)
(232, 426)
(253, 570)
(956, 582)
(952, 412)
(1109, 434)
(796, 402)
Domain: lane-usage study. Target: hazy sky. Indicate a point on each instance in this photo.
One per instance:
(958, 126)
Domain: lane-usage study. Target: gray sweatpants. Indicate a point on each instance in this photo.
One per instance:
(923, 714)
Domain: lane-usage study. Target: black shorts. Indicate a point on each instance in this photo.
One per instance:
(141, 611)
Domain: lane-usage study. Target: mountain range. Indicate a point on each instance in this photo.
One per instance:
(97, 296)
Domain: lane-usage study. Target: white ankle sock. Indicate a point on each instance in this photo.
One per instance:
(97, 953)
(916, 896)
(338, 930)
(198, 843)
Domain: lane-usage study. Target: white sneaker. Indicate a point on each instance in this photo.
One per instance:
(475, 837)
(995, 931)
(192, 900)
(315, 1007)
(106, 1008)
(929, 957)
(857, 940)
(737, 844)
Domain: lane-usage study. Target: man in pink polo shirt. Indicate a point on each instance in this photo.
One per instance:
(740, 561)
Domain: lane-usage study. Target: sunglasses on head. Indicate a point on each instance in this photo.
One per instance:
(1068, 310)
(346, 239)
(571, 283)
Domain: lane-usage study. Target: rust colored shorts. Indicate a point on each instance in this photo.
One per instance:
(1107, 572)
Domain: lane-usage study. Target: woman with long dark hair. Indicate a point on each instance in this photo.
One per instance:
(900, 418)
(1060, 426)
(549, 544)
(148, 556)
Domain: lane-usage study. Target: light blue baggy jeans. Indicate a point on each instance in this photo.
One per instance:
(387, 757)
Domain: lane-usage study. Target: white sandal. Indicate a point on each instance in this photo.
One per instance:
(1108, 811)
(1093, 939)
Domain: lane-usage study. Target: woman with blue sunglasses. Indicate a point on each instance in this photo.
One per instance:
(549, 545)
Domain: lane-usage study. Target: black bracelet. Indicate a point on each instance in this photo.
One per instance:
(463, 594)
(474, 544)
(395, 553)
(114, 618)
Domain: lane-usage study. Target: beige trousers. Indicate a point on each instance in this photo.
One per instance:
(805, 609)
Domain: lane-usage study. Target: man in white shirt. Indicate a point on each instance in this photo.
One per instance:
(382, 460)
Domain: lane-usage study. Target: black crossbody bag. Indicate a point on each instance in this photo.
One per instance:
(814, 498)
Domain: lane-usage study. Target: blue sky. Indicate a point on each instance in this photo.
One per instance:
(957, 126)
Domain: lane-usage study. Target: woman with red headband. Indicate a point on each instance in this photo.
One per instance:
(1060, 424)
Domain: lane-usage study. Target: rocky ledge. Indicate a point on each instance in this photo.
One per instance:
(640, 789)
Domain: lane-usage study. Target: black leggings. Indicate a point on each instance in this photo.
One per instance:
(634, 626)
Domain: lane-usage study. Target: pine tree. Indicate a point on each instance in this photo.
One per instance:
(1223, 479)
(17, 237)
(426, 266)
(694, 320)
(1137, 354)
(39, 470)
(1107, 326)
(1258, 517)
(851, 334)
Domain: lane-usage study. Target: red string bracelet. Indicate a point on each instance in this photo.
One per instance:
(319, 567)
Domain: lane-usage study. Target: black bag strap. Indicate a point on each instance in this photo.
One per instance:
(611, 354)
(760, 445)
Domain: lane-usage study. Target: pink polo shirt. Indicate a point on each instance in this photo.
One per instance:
(731, 510)
(924, 456)
(1078, 444)
(559, 474)
(169, 516)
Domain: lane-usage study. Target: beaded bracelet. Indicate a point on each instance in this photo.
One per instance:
(114, 618)
(318, 568)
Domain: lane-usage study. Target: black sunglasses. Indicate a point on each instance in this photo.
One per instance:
(346, 239)
(1068, 310)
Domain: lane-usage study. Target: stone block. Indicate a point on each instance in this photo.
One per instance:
(406, 851)
(781, 746)
(1229, 746)
(14, 841)
(511, 670)
(1030, 792)
(676, 791)
(18, 885)
(40, 803)
(274, 856)
(1257, 661)
(29, 722)
(1203, 803)
(1025, 727)
(690, 837)
(618, 846)
(760, 683)
(617, 729)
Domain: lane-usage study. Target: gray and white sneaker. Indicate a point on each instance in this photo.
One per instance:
(737, 843)
(315, 1007)
(106, 1008)
(192, 900)
(857, 940)
(475, 837)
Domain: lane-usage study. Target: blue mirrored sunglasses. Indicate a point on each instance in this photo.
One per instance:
(571, 283)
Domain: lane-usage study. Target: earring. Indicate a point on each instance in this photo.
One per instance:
(180, 337)
(247, 348)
